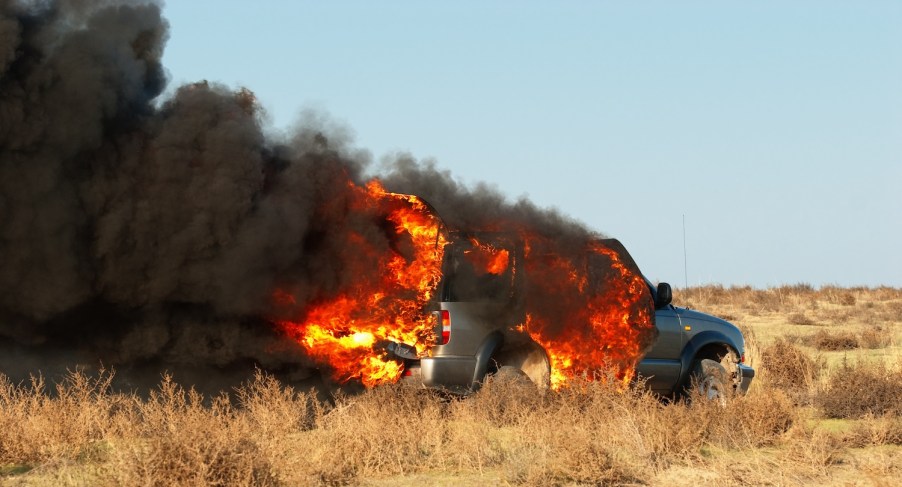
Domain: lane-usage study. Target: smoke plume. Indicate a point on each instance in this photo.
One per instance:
(150, 234)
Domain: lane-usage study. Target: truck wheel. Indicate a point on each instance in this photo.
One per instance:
(508, 373)
(530, 360)
(711, 380)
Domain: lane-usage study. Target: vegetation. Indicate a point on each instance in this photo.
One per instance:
(816, 414)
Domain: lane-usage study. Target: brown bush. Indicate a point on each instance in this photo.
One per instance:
(756, 420)
(786, 367)
(813, 449)
(37, 427)
(800, 319)
(893, 311)
(856, 390)
(180, 440)
(841, 296)
(599, 433)
(833, 341)
(875, 337)
(876, 431)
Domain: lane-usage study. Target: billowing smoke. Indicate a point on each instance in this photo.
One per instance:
(150, 235)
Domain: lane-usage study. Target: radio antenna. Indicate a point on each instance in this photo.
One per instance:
(685, 264)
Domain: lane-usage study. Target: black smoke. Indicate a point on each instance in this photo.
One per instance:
(149, 234)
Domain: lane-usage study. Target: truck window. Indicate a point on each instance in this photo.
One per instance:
(477, 270)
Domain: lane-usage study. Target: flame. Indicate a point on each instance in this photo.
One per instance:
(391, 302)
(588, 308)
(608, 325)
(488, 259)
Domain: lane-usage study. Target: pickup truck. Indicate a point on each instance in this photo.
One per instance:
(692, 349)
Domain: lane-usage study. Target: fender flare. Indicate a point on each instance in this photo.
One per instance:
(691, 349)
(484, 357)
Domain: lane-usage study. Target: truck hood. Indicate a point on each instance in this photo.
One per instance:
(691, 314)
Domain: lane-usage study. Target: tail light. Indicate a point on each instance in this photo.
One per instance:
(446, 326)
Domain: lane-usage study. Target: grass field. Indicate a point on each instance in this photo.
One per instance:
(824, 409)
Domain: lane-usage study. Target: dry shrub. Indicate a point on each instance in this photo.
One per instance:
(574, 455)
(592, 432)
(800, 319)
(833, 341)
(885, 293)
(275, 408)
(786, 367)
(799, 289)
(837, 295)
(875, 431)
(180, 440)
(877, 464)
(893, 311)
(598, 433)
(856, 390)
(815, 449)
(282, 421)
(754, 421)
(875, 337)
(37, 427)
(387, 430)
(504, 401)
(703, 295)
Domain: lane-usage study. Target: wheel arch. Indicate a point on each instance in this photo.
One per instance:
(487, 350)
(711, 345)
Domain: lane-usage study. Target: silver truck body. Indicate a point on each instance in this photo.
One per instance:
(480, 343)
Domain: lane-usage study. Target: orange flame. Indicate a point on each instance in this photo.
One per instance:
(589, 310)
(346, 332)
(488, 259)
(608, 322)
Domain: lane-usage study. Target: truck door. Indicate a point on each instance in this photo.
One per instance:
(661, 365)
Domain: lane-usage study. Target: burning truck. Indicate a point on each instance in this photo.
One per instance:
(446, 308)
(158, 233)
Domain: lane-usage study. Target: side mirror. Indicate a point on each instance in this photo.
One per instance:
(664, 295)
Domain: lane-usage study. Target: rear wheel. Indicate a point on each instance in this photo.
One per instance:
(527, 361)
(510, 374)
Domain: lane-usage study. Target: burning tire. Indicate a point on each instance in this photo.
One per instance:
(711, 380)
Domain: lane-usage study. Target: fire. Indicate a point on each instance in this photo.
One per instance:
(588, 307)
(397, 284)
(606, 309)
(487, 258)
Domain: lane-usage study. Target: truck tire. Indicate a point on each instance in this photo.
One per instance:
(508, 373)
(530, 360)
(711, 380)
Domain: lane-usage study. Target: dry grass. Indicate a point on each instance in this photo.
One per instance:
(807, 420)
(862, 389)
(790, 369)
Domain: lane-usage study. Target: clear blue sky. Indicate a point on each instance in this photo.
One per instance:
(774, 127)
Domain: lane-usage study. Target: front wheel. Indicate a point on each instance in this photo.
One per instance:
(711, 380)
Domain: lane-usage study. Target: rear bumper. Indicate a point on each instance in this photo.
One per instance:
(451, 372)
(746, 375)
